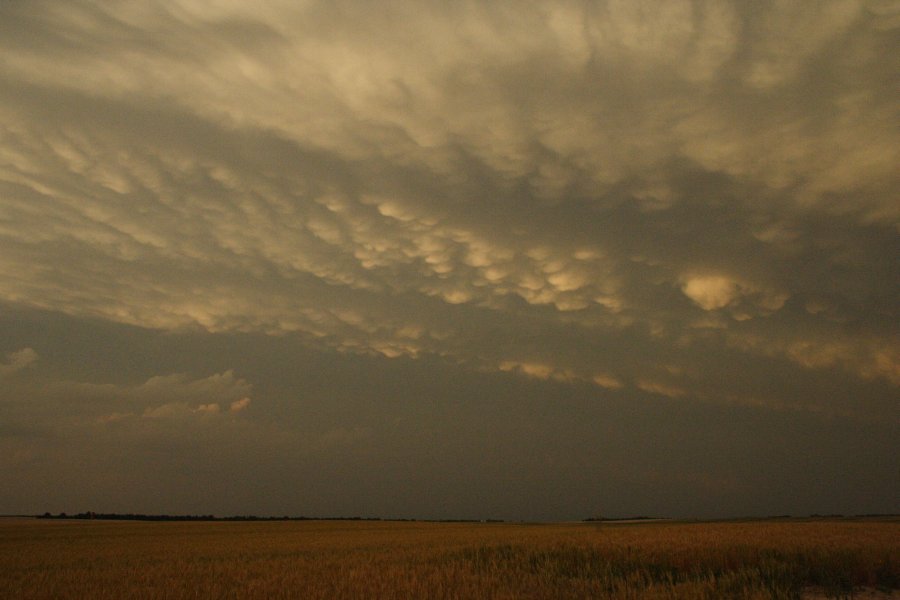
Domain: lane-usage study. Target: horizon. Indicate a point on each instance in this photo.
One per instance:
(632, 519)
(483, 260)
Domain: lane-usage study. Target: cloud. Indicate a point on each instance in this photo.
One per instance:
(18, 360)
(64, 405)
(175, 410)
(567, 245)
(710, 293)
(663, 389)
(433, 180)
(239, 405)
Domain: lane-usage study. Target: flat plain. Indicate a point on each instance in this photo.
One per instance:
(825, 558)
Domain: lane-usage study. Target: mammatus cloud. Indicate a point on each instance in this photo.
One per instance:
(567, 192)
(710, 293)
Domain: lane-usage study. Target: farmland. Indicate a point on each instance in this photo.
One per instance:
(380, 559)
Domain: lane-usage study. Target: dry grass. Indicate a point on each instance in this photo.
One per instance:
(347, 559)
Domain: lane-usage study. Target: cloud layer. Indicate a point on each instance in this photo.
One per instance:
(674, 199)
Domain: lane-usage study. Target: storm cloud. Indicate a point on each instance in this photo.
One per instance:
(647, 208)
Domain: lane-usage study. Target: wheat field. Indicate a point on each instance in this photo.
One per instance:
(380, 559)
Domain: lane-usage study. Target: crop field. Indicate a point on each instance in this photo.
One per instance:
(381, 559)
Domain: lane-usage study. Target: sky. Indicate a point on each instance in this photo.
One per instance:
(522, 260)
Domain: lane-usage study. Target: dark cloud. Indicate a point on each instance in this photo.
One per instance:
(649, 203)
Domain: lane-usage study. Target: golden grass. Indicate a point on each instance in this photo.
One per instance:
(353, 559)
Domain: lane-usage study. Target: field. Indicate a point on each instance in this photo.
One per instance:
(373, 559)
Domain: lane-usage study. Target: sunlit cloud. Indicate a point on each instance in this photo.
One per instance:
(239, 405)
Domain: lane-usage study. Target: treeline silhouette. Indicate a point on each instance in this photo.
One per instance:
(142, 517)
(639, 518)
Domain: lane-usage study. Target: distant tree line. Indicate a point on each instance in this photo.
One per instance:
(143, 517)
(640, 518)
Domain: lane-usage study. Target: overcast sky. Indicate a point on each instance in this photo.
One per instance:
(521, 260)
